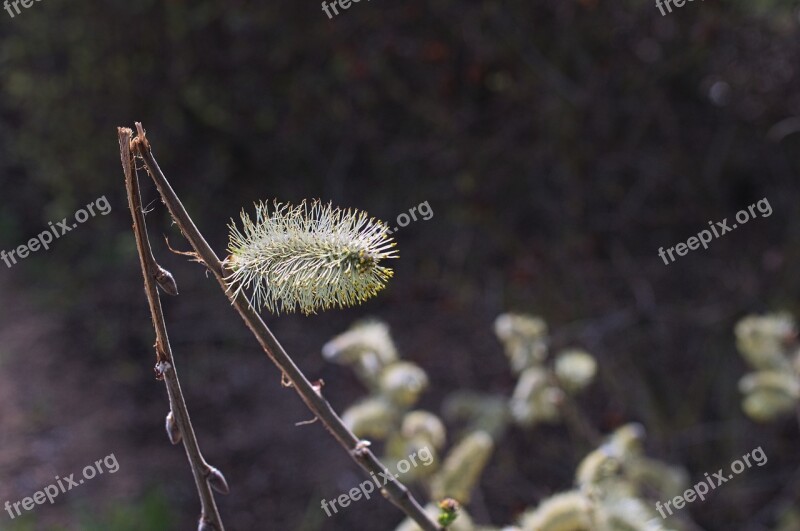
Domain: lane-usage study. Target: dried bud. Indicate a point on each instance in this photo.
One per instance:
(167, 282)
(217, 480)
(173, 431)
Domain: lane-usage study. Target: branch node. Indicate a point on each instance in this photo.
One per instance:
(161, 354)
(362, 448)
(161, 369)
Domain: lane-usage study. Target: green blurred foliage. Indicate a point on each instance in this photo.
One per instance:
(150, 513)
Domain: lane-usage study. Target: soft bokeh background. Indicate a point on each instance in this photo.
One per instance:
(560, 143)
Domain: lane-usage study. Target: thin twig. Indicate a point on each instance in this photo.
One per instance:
(165, 363)
(394, 489)
(577, 422)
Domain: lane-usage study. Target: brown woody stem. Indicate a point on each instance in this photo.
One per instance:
(165, 363)
(394, 489)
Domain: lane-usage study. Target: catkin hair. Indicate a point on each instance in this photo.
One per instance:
(310, 256)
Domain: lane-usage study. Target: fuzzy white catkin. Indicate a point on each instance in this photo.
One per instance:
(489, 413)
(425, 425)
(769, 394)
(575, 369)
(365, 336)
(463, 467)
(403, 382)
(373, 417)
(535, 399)
(524, 338)
(310, 256)
(570, 511)
(761, 340)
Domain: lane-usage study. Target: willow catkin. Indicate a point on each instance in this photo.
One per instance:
(311, 256)
(463, 467)
(569, 511)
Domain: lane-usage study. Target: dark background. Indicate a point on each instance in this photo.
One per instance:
(560, 143)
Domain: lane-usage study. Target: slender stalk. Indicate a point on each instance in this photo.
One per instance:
(577, 421)
(394, 490)
(165, 363)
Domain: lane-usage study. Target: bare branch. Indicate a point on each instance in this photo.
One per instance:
(205, 476)
(394, 489)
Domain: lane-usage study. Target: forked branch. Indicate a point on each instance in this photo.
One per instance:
(179, 425)
(310, 394)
